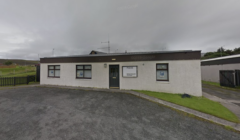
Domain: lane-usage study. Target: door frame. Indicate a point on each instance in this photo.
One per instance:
(118, 76)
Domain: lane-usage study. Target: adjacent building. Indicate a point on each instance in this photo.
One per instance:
(161, 71)
(211, 69)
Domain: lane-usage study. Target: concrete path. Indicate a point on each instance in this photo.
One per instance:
(228, 98)
(227, 103)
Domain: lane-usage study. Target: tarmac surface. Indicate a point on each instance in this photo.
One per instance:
(222, 93)
(41, 113)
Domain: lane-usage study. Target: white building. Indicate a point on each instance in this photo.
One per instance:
(168, 71)
(211, 67)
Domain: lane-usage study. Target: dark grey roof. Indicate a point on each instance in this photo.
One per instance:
(128, 53)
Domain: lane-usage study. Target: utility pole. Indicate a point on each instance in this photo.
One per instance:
(221, 50)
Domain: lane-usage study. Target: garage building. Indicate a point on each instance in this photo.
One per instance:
(226, 67)
(161, 71)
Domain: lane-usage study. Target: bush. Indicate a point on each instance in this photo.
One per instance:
(8, 63)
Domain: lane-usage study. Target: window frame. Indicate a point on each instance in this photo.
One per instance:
(83, 72)
(54, 71)
(167, 69)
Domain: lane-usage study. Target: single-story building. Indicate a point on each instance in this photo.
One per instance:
(161, 71)
(211, 68)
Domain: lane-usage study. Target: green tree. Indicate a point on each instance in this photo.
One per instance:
(8, 63)
(221, 52)
(229, 52)
(236, 50)
(221, 49)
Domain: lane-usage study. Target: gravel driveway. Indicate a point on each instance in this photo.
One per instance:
(65, 114)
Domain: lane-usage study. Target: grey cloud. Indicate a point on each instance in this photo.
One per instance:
(74, 27)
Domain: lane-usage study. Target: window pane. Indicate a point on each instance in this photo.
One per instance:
(79, 73)
(162, 66)
(57, 73)
(162, 75)
(79, 67)
(50, 72)
(57, 67)
(87, 67)
(87, 74)
(51, 67)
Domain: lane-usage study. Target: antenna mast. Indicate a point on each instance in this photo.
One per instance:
(53, 52)
(108, 45)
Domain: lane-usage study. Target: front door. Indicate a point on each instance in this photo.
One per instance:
(114, 76)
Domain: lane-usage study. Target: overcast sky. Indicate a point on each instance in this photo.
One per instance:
(74, 27)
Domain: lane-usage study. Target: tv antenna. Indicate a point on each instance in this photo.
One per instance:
(107, 46)
(53, 52)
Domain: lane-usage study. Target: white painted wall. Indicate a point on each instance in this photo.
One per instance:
(211, 72)
(184, 76)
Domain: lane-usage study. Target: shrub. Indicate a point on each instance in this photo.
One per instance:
(8, 63)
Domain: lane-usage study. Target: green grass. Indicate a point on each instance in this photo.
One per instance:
(201, 104)
(21, 74)
(211, 83)
(218, 85)
(18, 71)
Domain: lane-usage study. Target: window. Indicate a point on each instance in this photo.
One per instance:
(162, 72)
(54, 71)
(84, 71)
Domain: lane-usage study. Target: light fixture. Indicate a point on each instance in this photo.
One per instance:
(105, 65)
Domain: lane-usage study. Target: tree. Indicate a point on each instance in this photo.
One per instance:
(229, 52)
(8, 63)
(221, 50)
(236, 50)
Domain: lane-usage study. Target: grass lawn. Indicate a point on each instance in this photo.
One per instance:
(18, 71)
(218, 85)
(21, 74)
(201, 104)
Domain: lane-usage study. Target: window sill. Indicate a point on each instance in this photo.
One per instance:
(84, 78)
(163, 82)
(53, 77)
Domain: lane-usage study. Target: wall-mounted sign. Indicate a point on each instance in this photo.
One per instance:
(129, 71)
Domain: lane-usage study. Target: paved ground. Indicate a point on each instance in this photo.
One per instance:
(53, 113)
(222, 93)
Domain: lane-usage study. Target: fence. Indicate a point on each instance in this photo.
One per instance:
(12, 81)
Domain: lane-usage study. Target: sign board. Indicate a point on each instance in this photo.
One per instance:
(79, 73)
(162, 75)
(129, 71)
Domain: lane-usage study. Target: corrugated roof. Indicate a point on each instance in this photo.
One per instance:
(224, 57)
(128, 53)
